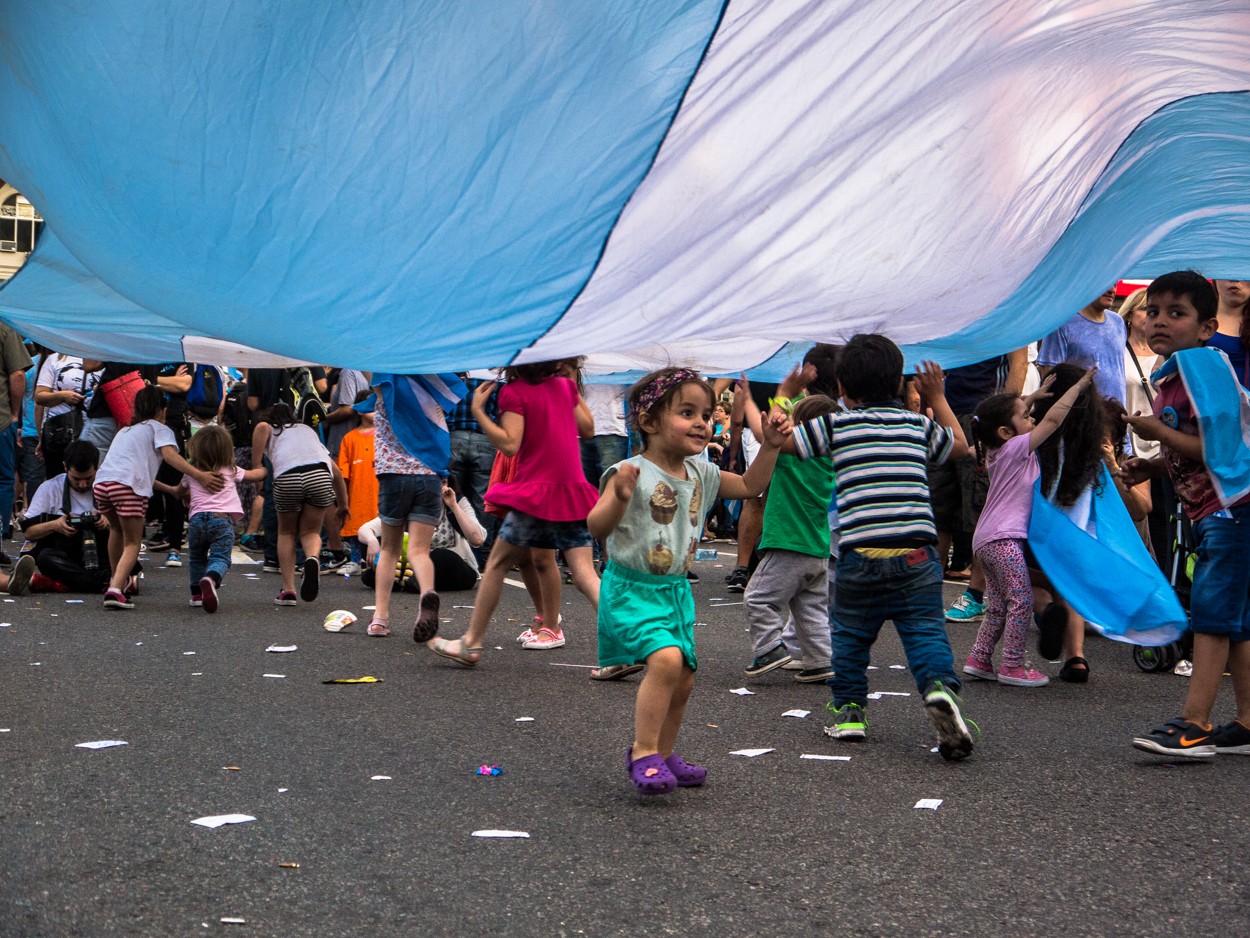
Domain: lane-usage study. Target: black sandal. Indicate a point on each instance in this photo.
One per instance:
(1075, 670)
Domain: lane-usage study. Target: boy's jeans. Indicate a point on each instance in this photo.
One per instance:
(210, 539)
(906, 589)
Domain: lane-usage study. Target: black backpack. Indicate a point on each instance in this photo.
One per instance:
(236, 417)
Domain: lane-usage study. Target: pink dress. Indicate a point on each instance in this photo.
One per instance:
(548, 482)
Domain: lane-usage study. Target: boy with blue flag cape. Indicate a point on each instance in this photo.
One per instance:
(1202, 419)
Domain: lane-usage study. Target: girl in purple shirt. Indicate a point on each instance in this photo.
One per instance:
(1006, 438)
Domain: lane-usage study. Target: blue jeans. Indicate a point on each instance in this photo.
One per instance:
(600, 452)
(8, 474)
(210, 540)
(31, 466)
(1219, 603)
(907, 590)
(472, 457)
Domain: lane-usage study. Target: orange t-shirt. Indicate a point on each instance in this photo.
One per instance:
(356, 464)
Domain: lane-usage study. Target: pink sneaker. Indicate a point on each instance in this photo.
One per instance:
(977, 668)
(544, 639)
(1021, 677)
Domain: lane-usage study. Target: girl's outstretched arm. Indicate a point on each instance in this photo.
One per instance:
(213, 481)
(1059, 411)
(776, 430)
(613, 501)
(260, 443)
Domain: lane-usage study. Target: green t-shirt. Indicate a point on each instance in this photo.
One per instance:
(660, 530)
(796, 515)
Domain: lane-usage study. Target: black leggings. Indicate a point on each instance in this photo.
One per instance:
(451, 572)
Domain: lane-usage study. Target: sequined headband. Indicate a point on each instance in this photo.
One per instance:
(652, 393)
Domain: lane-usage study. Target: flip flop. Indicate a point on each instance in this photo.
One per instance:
(614, 672)
(441, 646)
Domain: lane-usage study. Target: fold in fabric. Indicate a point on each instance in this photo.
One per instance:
(1107, 575)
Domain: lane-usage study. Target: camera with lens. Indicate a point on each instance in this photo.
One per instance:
(85, 524)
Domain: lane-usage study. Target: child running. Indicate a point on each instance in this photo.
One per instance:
(541, 417)
(887, 567)
(1006, 439)
(210, 530)
(306, 482)
(652, 510)
(125, 483)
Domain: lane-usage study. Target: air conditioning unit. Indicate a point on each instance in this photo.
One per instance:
(8, 246)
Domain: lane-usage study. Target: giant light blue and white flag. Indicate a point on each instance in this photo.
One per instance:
(421, 186)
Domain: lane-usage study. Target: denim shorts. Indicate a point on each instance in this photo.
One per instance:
(403, 498)
(522, 530)
(1219, 603)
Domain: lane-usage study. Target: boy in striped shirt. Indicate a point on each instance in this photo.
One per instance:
(889, 567)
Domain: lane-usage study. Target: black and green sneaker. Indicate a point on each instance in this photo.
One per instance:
(944, 708)
(848, 721)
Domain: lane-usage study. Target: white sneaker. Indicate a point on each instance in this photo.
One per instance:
(351, 568)
(794, 664)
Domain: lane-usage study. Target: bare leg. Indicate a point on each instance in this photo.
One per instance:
(547, 586)
(1211, 654)
(115, 546)
(384, 570)
(657, 694)
(676, 711)
(254, 516)
(1239, 667)
(419, 538)
(1074, 637)
(310, 522)
(288, 529)
(502, 556)
(581, 561)
(131, 530)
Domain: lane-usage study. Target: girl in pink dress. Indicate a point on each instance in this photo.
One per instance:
(541, 417)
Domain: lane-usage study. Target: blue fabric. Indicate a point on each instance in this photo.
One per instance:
(448, 172)
(907, 590)
(1222, 406)
(1109, 577)
(405, 397)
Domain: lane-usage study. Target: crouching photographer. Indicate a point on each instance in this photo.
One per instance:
(67, 540)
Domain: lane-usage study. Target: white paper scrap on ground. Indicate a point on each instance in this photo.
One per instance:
(197, 673)
(36, 664)
(742, 692)
(6, 730)
(931, 803)
(273, 675)
(556, 664)
(369, 608)
(797, 713)
(10, 600)
(718, 605)
(217, 820)
(188, 652)
(524, 720)
(281, 790)
(512, 582)
(74, 601)
(380, 778)
(898, 667)
(823, 758)
(232, 920)
(873, 667)
(282, 648)
(492, 833)
(102, 744)
(750, 753)
(878, 694)
(6, 625)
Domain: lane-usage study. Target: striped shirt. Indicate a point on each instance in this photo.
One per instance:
(879, 455)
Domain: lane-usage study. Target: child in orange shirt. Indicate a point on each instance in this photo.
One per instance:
(356, 464)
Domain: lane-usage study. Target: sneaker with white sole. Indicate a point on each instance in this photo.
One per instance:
(1021, 677)
(286, 598)
(545, 639)
(1231, 739)
(982, 670)
(847, 722)
(965, 609)
(115, 599)
(766, 662)
(173, 559)
(351, 568)
(23, 571)
(528, 634)
(208, 594)
(945, 711)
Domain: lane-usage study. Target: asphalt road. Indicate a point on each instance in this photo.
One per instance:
(1055, 825)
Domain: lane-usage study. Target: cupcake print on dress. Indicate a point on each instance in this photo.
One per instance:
(663, 504)
(659, 557)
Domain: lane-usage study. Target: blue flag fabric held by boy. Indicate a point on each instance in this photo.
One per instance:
(1223, 410)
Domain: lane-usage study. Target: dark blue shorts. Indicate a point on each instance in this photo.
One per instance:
(1219, 603)
(522, 530)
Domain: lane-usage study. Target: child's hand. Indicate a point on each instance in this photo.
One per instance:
(1135, 470)
(1042, 392)
(481, 394)
(1087, 377)
(931, 380)
(776, 428)
(796, 381)
(624, 482)
(449, 497)
(1146, 427)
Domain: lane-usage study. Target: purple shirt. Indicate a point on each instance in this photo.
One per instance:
(1014, 470)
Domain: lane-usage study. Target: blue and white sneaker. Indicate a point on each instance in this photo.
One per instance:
(173, 559)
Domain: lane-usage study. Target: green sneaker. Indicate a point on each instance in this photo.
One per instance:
(965, 609)
(945, 712)
(846, 722)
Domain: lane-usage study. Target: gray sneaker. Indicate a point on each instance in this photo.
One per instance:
(848, 721)
(945, 712)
